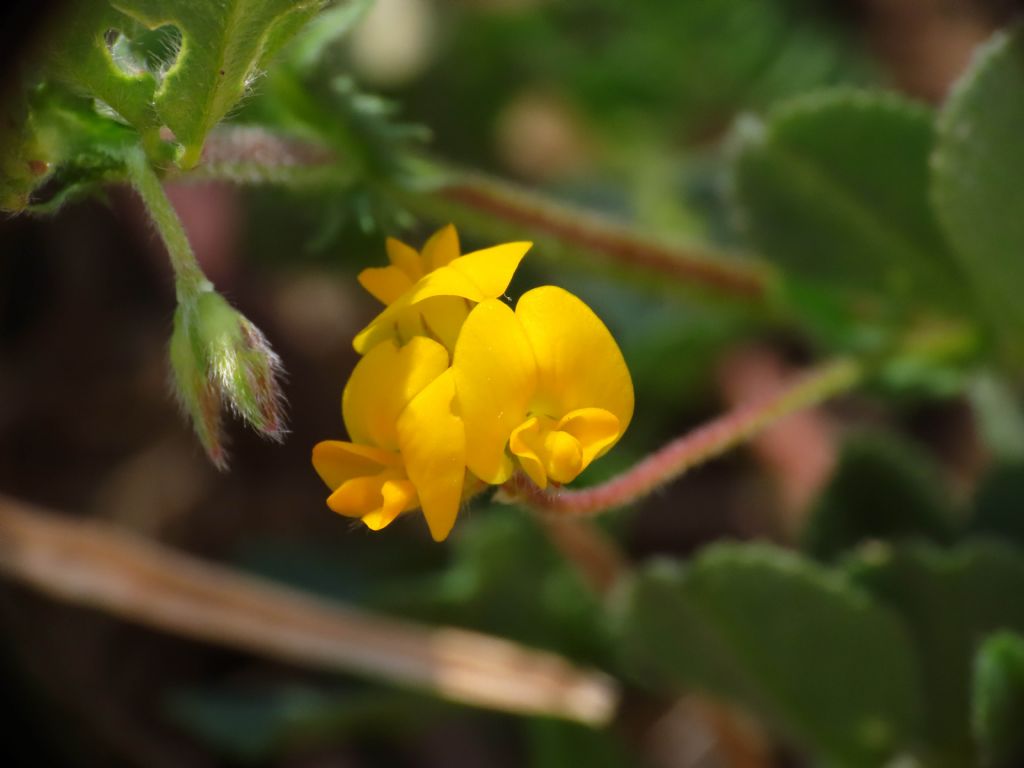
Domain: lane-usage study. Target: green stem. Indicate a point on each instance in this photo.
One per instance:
(188, 276)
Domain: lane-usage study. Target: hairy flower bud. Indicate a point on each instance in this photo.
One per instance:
(218, 356)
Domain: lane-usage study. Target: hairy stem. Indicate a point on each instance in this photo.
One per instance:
(189, 278)
(704, 443)
(497, 209)
(492, 209)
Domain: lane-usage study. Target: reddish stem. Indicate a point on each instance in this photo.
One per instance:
(588, 231)
(700, 445)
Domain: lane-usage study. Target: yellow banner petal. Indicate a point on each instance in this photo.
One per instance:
(579, 365)
(476, 276)
(433, 446)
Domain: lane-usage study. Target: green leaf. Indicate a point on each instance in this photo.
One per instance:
(998, 700)
(255, 724)
(224, 46)
(310, 48)
(23, 161)
(785, 637)
(950, 599)
(545, 604)
(997, 410)
(85, 148)
(834, 187)
(978, 166)
(557, 744)
(881, 489)
(79, 55)
(999, 504)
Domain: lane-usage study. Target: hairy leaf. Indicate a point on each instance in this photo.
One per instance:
(224, 46)
(999, 504)
(23, 160)
(998, 700)
(882, 489)
(772, 631)
(81, 56)
(978, 166)
(834, 187)
(950, 599)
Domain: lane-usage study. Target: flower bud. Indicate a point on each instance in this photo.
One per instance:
(218, 356)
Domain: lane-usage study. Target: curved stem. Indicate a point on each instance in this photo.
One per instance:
(498, 209)
(492, 208)
(188, 276)
(702, 444)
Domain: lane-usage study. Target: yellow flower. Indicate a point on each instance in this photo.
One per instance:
(407, 449)
(431, 293)
(545, 384)
(407, 266)
(455, 388)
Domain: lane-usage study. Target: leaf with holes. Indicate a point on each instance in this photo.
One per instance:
(224, 46)
(791, 640)
(834, 187)
(81, 55)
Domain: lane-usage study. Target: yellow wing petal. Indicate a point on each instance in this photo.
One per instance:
(433, 447)
(397, 495)
(441, 248)
(375, 499)
(404, 258)
(383, 383)
(525, 443)
(595, 429)
(560, 450)
(386, 284)
(579, 365)
(495, 378)
(336, 461)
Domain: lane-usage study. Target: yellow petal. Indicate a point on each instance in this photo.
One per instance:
(595, 429)
(476, 276)
(386, 284)
(441, 248)
(398, 496)
(579, 365)
(336, 461)
(383, 383)
(442, 318)
(376, 499)
(495, 378)
(550, 450)
(525, 442)
(433, 447)
(491, 269)
(404, 258)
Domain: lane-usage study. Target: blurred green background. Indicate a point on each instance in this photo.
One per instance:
(623, 107)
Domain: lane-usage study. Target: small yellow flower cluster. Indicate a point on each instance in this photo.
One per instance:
(455, 388)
